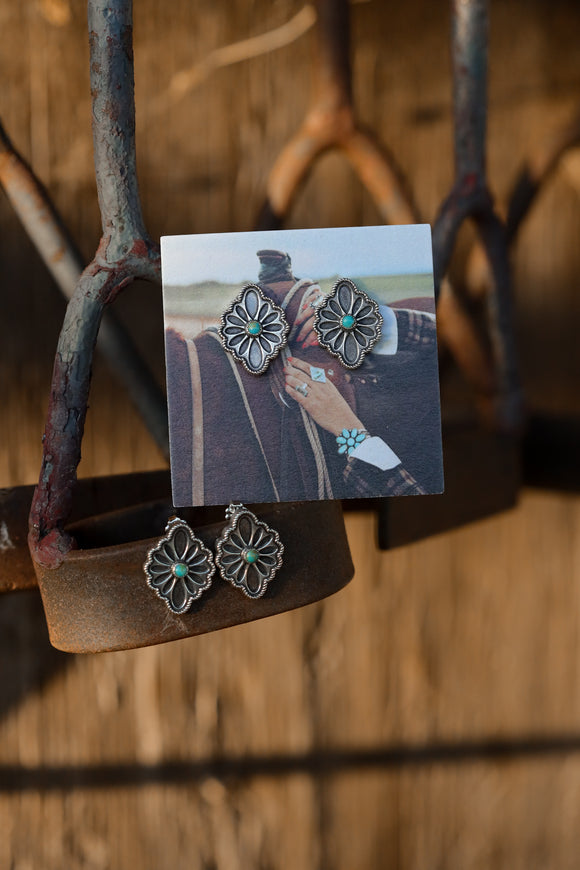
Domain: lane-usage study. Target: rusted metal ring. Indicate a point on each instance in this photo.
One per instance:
(98, 599)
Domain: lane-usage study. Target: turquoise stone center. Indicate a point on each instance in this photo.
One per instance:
(180, 569)
(254, 328)
(348, 321)
(251, 556)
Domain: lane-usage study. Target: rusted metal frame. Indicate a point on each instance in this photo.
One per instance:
(331, 123)
(125, 253)
(470, 198)
(534, 173)
(537, 169)
(47, 231)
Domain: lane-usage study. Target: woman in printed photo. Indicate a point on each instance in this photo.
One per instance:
(308, 428)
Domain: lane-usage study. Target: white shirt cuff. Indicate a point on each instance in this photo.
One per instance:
(389, 340)
(374, 451)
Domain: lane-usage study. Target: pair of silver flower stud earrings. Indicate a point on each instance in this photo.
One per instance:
(180, 568)
(347, 322)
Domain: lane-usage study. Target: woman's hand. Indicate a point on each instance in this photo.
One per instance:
(305, 316)
(324, 403)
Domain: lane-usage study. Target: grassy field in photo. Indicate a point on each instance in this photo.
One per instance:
(209, 298)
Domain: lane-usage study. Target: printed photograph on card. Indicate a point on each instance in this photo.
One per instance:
(301, 364)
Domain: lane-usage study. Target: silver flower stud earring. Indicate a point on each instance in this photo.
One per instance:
(253, 329)
(348, 323)
(179, 568)
(248, 552)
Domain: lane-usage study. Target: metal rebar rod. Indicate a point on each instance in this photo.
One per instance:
(37, 214)
(469, 23)
(470, 198)
(469, 194)
(112, 90)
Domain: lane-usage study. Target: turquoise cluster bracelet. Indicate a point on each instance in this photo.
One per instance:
(351, 438)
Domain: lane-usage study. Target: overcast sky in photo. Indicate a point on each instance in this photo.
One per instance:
(321, 253)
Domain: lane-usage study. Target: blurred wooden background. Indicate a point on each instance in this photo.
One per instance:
(351, 735)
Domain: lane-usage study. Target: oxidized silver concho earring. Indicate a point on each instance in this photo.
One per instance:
(248, 552)
(253, 329)
(348, 323)
(179, 568)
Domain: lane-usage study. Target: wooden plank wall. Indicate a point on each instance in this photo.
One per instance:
(351, 735)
